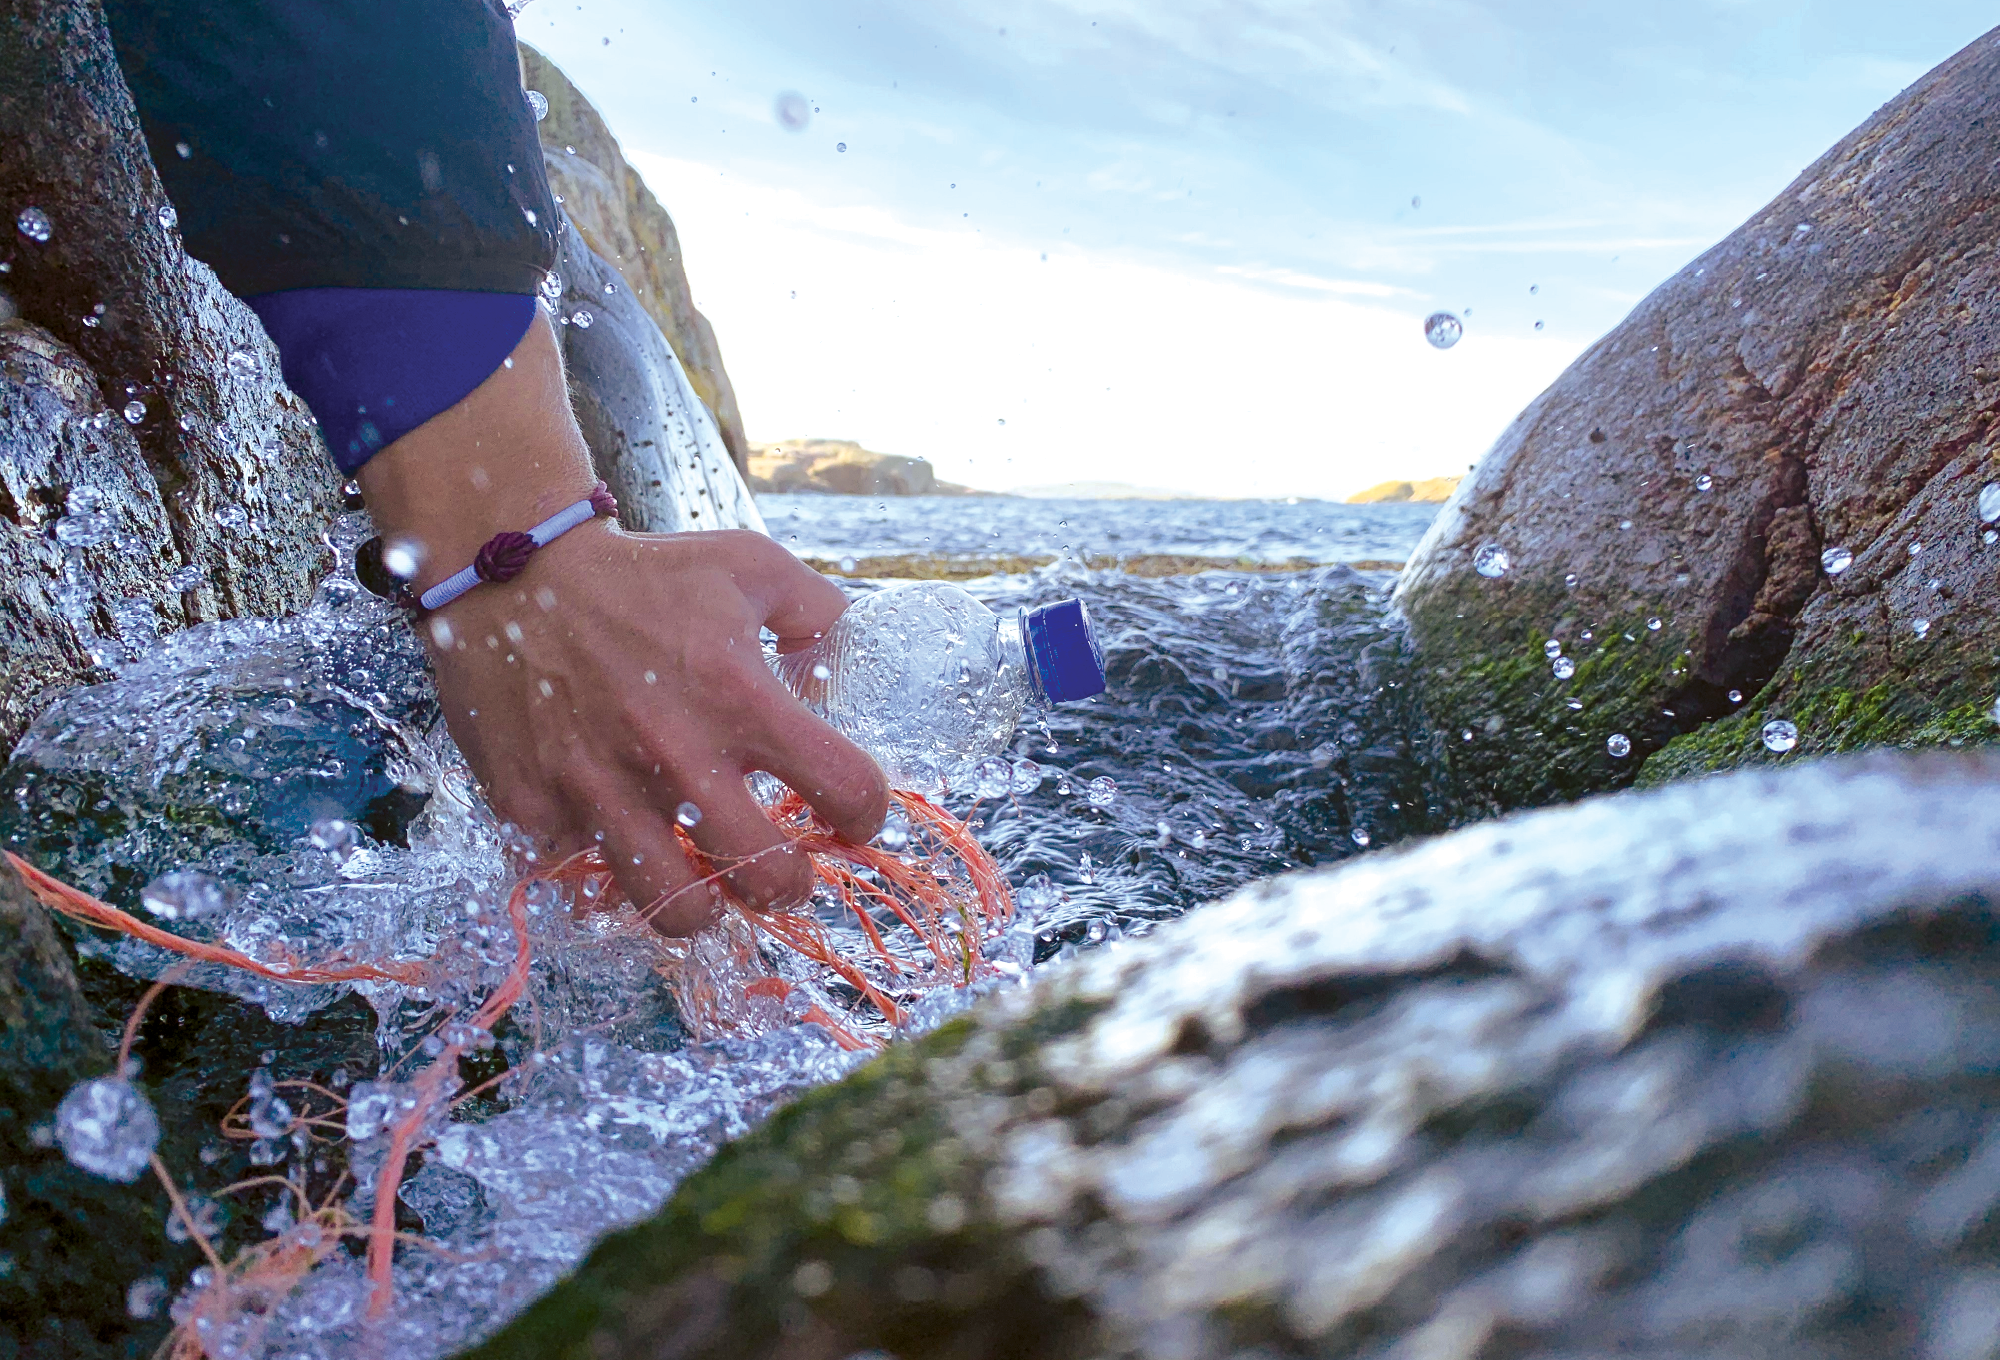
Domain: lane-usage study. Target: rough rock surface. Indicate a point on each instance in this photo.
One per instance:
(1709, 1070)
(622, 221)
(842, 467)
(1827, 377)
(217, 494)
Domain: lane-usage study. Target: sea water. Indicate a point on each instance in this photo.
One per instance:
(1255, 721)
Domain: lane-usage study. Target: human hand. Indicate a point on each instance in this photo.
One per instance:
(620, 676)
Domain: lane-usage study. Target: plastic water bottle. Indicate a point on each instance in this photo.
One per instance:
(928, 680)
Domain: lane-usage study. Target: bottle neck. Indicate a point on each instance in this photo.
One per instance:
(1019, 659)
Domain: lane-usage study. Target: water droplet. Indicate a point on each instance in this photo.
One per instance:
(840, 146)
(1990, 537)
(1619, 745)
(820, 671)
(539, 102)
(581, 318)
(1989, 502)
(793, 111)
(1570, 580)
(401, 557)
(848, 564)
(1538, 325)
(1921, 627)
(895, 834)
(1552, 648)
(1704, 483)
(1835, 560)
(992, 777)
(108, 1128)
(1101, 791)
(1359, 835)
(1563, 668)
(335, 836)
(135, 411)
(34, 224)
(1491, 560)
(183, 150)
(1652, 625)
(688, 815)
(1735, 696)
(1323, 756)
(1780, 735)
(1027, 776)
(529, 213)
(183, 895)
(85, 523)
(168, 217)
(1916, 548)
(1624, 524)
(1443, 330)
(242, 363)
(145, 1296)
(551, 287)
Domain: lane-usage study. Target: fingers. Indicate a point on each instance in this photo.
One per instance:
(761, 864)
(647, 860)
(842, 782)
(798, 603)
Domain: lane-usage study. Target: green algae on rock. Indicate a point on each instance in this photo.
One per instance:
(1606, 1079)
(1822, 380)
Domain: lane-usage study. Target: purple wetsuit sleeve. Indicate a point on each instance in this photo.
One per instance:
(375, 363)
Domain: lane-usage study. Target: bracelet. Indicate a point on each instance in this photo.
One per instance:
(504, 556)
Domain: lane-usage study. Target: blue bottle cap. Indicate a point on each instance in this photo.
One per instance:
(1063, 656)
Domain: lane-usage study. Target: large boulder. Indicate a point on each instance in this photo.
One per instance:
(621, 220)
(1824, 381)
(142, 402)
(1709, 1070)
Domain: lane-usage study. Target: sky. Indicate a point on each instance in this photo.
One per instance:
(1190, 244)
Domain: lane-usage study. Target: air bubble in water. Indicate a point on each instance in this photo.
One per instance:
(539, 102)
(135, 411)
(1491, 560)
(688, 815)
(1835, 560)
(1443, 330)
(183, 895)
(1101, 791)
(108, 1128)
(793, 111)
(1780, 735)
(1359, 835)
(1619, 745)
(992, 777)
(1563, 668)
(335, 836)
(34, 224)
(581, 318)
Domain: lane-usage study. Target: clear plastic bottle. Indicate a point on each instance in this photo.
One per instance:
(928, 680)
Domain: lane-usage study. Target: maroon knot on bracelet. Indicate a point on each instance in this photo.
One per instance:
(505, 555)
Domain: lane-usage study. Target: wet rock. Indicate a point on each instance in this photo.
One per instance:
(117, 376)
(1706, 1070)
(653, 441)
(621, 220)
(1817, 381)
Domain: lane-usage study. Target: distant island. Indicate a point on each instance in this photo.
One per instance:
(841, 467)
(1388, 493)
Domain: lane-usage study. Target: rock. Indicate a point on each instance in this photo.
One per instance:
(1427, 490)
(1811, 383)
(652, 441)
(620, 219)
(842, 467)
(215, 498)
(1709, 1070)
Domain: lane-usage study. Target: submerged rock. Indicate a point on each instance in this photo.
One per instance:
(621, 220)
(1822, 386)
(1709, 1070)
